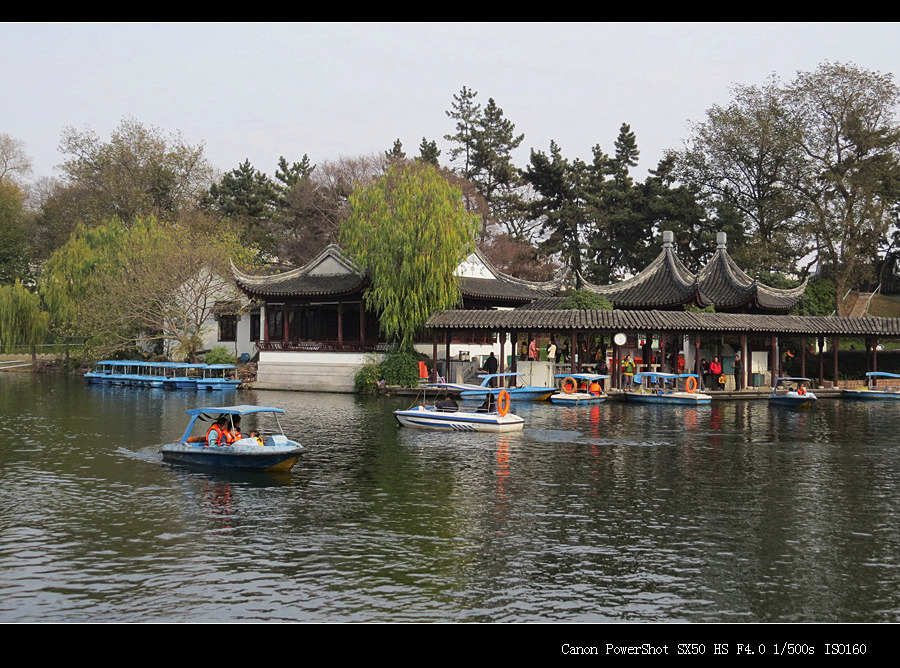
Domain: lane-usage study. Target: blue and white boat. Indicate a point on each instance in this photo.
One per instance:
(667, 388)
(218, 377)
(496, 418)
(575, 389)
(521, 392)
(792, 392)
(182, 376)
(275, 452)
(879, 386)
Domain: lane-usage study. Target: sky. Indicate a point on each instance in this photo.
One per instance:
(258, 91)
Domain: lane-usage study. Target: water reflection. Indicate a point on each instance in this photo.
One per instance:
(611, 512)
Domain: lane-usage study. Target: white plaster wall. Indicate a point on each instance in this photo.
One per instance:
(309, 371)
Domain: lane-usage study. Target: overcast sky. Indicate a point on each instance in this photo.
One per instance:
(260, 91)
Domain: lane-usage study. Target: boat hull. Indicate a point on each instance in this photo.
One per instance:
(576, 398)
(429, 418)
(793, 400)
(678, 398)
(237, 456)
(871, 395)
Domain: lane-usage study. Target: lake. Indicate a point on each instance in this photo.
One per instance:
(735, 512)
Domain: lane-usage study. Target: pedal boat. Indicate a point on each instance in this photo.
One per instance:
(874, 390)
(218, 377)
(453, 419)
(519, 393)
(277, 453)
(667, 388)
(570, 393)
(792, 392)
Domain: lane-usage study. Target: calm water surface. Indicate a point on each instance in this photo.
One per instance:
(736, 512)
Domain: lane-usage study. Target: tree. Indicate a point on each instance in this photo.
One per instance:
(428, 151)
(411, 230)
(467, 113)
(247, 198)
(140, 171)
(13, 235)
(14, 162)
(118, 286)
(396, 152)
(850, 182)
(745, 155)
(23, 321)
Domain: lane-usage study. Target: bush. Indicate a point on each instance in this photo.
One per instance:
(585, 299)
(366, 379)
(399, 368)
(219, 355)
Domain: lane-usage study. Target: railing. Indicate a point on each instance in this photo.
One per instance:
(324, 346)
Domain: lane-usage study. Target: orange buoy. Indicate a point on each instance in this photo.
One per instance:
(690, 384)
(503, 402)
(568, 385)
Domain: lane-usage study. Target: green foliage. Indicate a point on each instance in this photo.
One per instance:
(693, 308)
(13, 238)
(219, 355)
(818, 299)
(366, 379)
(120, 285)
(248, 198)
(23, 320)
(585, 299)
(429, 152)
(400, 368)
(411, 230)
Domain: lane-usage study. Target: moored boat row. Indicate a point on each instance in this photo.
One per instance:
(172, 375)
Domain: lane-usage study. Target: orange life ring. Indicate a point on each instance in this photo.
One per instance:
(568, 385)
(503, 402)
(690, 384)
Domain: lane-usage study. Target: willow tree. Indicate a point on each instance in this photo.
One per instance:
(411, 230)
(23, 321)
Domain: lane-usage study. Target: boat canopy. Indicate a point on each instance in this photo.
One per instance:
(582, 376)
(243, 409)
(795, 380)
(666, 377)
(882, 374)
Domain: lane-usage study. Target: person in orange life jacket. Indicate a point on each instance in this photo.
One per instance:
(595, 388)
(217, 434)
(234, 434)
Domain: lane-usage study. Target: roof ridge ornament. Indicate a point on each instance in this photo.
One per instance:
(721, 240)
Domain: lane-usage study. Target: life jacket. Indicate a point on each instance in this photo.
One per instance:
(221, 436)
(595, 388)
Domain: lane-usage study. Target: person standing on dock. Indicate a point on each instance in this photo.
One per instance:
(738, 375)
(715, 371)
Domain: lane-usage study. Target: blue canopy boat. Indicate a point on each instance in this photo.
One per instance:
(875, 389)
(667, 388)
(182, 376)
(274, 453)
(575, 389)
(520, 392)
(218, 377)
(792, 392)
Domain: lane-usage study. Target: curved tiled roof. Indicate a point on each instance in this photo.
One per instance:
(721, 283)
(662, 321)
(666, 282)
(330, 273)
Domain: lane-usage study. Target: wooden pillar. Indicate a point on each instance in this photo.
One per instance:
(773, 358)
(803, 356)
(697, 355)
(514, 344)
(340, 321)
(616, 370)
(745, 361)
(448, 377)
(362, 326)
(821, 342)
(285, 335)
(834, 350)
(874, 353)
(662, 353)
(434, 359)
(501, 366)
(573, 351)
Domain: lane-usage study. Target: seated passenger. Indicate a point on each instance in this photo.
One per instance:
(448, 405)
(217, 434)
